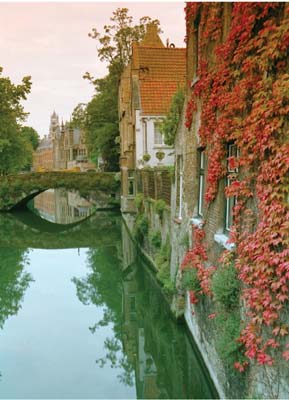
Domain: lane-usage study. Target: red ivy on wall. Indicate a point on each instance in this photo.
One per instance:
(244, 92)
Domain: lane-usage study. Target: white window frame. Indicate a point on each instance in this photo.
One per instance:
(201, 182)
(158, 137)
(232, 151)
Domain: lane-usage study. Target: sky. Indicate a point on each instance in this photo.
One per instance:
(49, 41)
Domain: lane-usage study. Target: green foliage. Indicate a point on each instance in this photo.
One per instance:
(31, 139)
(155, 238)
(31, 136)
(99, 118)
(226, 286)
(171, 171)
(170, 125)
(190, 280)
(228, 331)
(226, 292)
(141, 227)
(79, 116)
(11, 186)
(160, 206)
(14, 148)
(163, 264)
(114, 45)
(101, 123)
(13, 283)
(160, 155)
(186, 240)
(139, 201)
(146, 157)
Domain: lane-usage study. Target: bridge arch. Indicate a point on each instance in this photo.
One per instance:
(17, 190)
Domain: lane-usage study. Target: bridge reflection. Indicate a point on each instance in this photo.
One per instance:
(61, 206)
(149, 349)
(34, 232)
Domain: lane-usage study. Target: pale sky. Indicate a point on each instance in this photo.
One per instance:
(50, 42)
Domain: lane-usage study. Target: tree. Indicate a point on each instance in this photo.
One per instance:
(31, 142)
(14, 282)
(14, 149)
(114, 45)
(31, 136)
(78, 117)
(100, 117)
(170, 125)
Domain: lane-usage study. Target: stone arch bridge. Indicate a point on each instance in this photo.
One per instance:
(17, 190)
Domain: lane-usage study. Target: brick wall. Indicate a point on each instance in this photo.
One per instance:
(155, 184)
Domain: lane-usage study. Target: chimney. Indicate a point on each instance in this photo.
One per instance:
(151, 38)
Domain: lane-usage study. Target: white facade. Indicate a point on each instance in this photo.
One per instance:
(149, 141)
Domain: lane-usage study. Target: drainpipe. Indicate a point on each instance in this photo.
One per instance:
(145, 139)
(181, 192)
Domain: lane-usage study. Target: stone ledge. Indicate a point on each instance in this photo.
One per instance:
(197, 222)
(223, 239)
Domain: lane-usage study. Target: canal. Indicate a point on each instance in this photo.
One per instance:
(81, 316)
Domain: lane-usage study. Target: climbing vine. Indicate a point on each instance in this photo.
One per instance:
(243, 89)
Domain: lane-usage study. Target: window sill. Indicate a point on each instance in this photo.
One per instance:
(197, 222)
(222, 239)
(161, 146)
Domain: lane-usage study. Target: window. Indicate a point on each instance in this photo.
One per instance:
(158, 137)
(145, 138)
(131, 189)
(201, 195)
(232, 152)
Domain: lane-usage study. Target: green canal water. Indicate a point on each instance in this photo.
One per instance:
(81, 316)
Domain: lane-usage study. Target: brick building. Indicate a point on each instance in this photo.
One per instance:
(63, 148)
(222, 149)
(147, 85)
(43, 155)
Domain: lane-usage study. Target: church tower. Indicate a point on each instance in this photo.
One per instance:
(54, 127)
(54, 135)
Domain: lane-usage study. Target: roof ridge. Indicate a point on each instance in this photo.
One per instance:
(161, 48)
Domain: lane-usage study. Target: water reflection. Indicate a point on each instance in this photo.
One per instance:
(153, 352)
(147, 351)
(13, 283)
(22, 229)
(61, 206)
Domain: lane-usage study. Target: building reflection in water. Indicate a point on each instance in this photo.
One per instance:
(153, 352)
(148, 349)
(165, 361)
(61, 206)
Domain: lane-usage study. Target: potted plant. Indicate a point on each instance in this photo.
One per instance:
(146, 157)
(160, 155)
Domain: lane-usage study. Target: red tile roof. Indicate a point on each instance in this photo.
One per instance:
(161, 71)
(156, 96)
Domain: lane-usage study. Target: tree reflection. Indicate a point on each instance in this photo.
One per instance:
(102, 287)
(147, 346)
(14, 281)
